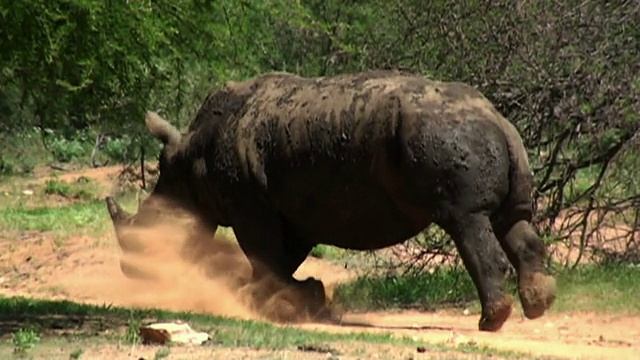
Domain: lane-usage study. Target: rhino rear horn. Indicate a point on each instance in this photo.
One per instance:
(162, 129)
(118, 215)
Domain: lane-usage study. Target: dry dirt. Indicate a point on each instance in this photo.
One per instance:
(87, 269)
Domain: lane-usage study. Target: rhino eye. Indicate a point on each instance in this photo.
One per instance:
(217, 112)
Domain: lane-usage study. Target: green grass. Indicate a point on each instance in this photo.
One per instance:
(441, 287)
(603, 288)
(600, 288)
(37, 320)
(328, 252)
(77, 218)
(83, 189)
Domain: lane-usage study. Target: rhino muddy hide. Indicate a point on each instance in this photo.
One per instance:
(360, 161)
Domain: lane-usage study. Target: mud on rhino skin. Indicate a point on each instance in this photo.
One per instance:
(360, 161)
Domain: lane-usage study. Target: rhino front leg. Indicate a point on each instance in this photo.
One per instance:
(275, 254)
(485, 261)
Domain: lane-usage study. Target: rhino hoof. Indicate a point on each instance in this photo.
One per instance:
(496, 314)
(537, 293)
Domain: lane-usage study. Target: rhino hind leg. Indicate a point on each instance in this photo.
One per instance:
(526, 251)
(486, 264)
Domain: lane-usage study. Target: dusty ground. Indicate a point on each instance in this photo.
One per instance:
(87, 269)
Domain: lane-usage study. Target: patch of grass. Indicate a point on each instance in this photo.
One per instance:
(603, 288)
(79, 217)
(328, 252)
(133, 327)
(24, 340)
(429, 290)
(76, 354)
(83, 189)
(21, 152)
(48, 317)
(162, 353)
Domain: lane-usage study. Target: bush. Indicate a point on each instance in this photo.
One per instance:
(565, 74)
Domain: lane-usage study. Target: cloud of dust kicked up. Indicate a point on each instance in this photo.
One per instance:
(175, 272)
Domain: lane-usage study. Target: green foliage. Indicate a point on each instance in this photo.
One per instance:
(609, 288)
(440, 287)
(24, 340)
(57, 187)
(133, 328)
(162, 353)
(327, 252)
(64, 218)
(79, 217)
(65, 151)
(605, 287)
(83, 70)
(76, 354)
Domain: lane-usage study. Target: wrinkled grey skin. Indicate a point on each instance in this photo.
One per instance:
(359, 161)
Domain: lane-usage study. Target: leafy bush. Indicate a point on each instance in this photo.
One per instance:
(565, 74)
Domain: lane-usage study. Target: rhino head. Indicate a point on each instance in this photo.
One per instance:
(169, 195)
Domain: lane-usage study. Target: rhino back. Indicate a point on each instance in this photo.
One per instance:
(310, 145)
(295, 121)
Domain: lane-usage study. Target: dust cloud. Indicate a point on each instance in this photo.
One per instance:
(178, 271)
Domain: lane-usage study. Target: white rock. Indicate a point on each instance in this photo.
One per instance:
(180, 333)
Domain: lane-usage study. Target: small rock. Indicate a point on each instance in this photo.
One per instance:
(161, 333)
(466, 312)
(548, 325)
(421, 349)
(27, 192)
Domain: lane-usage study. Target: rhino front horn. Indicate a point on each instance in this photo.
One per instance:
(118, 215)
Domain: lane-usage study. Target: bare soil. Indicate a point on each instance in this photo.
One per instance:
(87, 269)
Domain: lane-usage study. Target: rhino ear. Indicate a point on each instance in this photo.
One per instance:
(162, 129)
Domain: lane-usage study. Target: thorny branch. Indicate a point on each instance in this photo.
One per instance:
(566, 75)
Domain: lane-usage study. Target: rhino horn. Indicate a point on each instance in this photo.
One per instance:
(162, 129)
(118, 215)
(128, 242)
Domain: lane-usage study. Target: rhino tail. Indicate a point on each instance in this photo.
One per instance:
(521, 181)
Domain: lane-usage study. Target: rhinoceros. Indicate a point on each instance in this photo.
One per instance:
(359, 161)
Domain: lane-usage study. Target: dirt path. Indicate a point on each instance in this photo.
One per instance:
(87, 269)
(84, 271)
